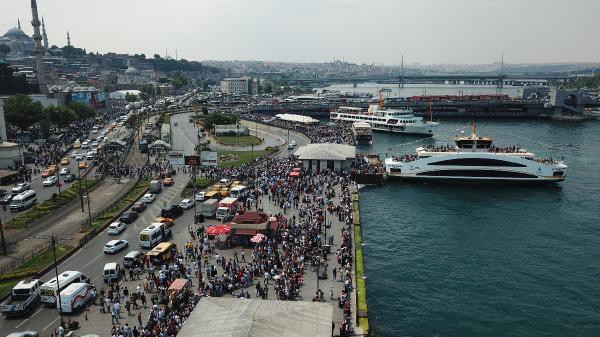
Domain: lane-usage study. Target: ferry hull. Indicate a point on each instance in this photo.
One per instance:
(475, 180)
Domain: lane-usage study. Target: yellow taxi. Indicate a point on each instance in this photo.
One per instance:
(225, 192)
(168, 221)
(64, 161)
(82, 165)
(77, 144)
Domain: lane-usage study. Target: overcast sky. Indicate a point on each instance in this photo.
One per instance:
(425, 31)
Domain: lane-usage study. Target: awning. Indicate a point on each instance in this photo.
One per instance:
(250, 232)
(178, 285)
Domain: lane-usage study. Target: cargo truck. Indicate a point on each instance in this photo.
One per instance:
(227, 206)
(209, 207)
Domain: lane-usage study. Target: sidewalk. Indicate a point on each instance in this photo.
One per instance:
(65, 224)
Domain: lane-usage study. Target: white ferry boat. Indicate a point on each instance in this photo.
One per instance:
(474, 158)
(383, 119)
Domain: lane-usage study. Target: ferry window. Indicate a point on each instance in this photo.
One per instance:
(477, 162)
(476, 173)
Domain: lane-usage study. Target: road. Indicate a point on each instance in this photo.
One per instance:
(90, 260)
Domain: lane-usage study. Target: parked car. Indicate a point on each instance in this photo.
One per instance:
(171, 211)
(128, 217)
(186, 204)
(20, 187)
(115, 246)
(139, 207)
(116, 228)
(168, 181)
(69, 178)
(50, 181)
(64, 171)
(148, 198)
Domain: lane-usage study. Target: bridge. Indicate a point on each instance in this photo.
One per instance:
(463, 79)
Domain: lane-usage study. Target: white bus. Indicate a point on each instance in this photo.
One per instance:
(23, 200)
(153, 234)
(240, 192)
(48, 289)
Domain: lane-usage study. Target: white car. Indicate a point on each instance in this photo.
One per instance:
(115, 246)
(20, 187)
(50, 181)
(74, 154)
(79, 157)
(64, 171)
(186, 204)
(224, 181)
(200, 196)
(116, 228)
(148, 198)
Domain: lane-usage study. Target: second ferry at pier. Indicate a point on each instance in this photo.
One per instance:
(475, 159)
(383, 119)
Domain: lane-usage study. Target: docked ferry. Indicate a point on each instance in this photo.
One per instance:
(474, 158)
(362, 132)
(383, 119)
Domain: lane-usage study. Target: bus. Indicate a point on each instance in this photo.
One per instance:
(48, 289)
(23, 200)
(153, 234)
(240, 192)
(161, 253)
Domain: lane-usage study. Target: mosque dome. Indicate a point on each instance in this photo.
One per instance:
(132, 71)
(16, 33)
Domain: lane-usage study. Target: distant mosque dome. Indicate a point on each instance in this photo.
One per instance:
(16, 33)
(132, 71)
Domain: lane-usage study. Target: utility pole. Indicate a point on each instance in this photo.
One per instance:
(79, 181)
(87, 195)
(2, 237)
(53, 244)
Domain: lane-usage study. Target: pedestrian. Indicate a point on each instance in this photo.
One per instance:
(243, 256)
(334, 274)
(139, 318)
(143, 298)
(113, 317)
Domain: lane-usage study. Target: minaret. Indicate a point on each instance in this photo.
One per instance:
(39, 50)
(44, 36)
(19, 23)
(68, 39)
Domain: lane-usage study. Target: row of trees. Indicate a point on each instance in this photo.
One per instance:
(217, 118)
(24, 113)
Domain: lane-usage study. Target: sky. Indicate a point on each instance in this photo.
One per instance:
(359, 31)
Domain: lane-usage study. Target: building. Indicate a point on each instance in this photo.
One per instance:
(20, 43)
(238, 86)
(218, 316)
(321, 156)
(10, 153)
(166, 89)
(133, 77)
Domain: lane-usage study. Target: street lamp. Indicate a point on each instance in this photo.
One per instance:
(53, 244)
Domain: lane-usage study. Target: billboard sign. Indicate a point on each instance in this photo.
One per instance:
(176, 158)
(209, 158)
(95, 99)
(192, 160)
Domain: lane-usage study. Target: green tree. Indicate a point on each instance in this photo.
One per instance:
(82, 111)
(21, 111)
(60, 116)
(179, 80)
(130, 97)
(217, 118)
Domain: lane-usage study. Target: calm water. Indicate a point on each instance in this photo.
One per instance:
(488, 261)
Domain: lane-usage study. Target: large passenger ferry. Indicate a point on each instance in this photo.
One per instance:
(474, 158)
(383, 119)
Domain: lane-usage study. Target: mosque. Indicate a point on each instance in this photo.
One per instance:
(20, 43)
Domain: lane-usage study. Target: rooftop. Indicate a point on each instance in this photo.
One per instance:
(326, 151)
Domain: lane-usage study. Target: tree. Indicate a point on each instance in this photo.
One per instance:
(60, 116)
(130, 97)
(178, 80)
(218, 118)
(82, 111)
(11, 84)
(4, 49)
(21, 111)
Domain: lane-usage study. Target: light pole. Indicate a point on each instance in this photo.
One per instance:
(2, 237)
(53, 244)
(79, 181)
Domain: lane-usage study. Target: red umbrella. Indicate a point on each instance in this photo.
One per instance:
(294, 174)
(218, 229)
(297, 169)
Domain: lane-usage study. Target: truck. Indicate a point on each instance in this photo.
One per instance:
(226, 207)
(155, 187)
(23, 298)
(75, 297)
(209, 207)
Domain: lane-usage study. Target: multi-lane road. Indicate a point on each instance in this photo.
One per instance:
(90, 259)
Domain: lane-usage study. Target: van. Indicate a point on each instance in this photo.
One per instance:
(240, 192)
(133, 258)
(65, 279)
(75, 297)
(153, 234)
(112, 272)
(23, 200)
(161, 253)
(155, 187)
